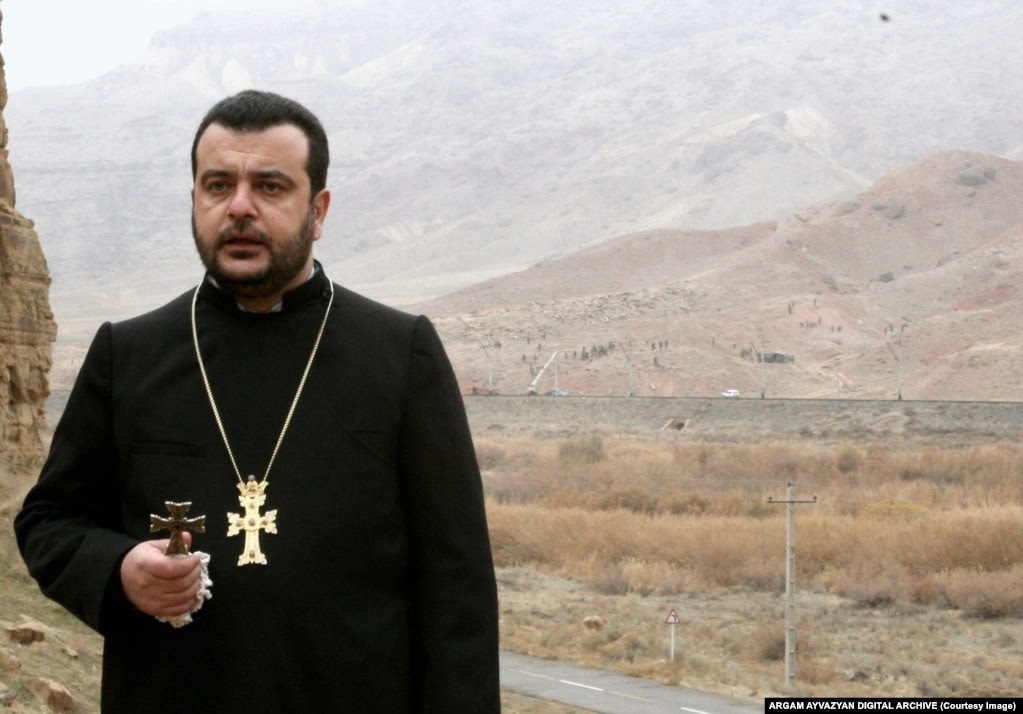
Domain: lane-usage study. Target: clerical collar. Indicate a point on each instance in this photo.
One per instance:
(314, 287)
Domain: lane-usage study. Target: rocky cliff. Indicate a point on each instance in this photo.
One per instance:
(27, 328)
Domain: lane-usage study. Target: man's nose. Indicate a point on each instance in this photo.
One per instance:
(241, 205)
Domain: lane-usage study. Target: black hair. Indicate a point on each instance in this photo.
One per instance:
(254, 110)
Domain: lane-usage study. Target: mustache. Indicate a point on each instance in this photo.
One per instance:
(241, 230)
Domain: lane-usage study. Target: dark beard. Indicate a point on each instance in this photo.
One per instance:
(286, 259)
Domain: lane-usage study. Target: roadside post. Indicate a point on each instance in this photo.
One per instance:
(672, 620)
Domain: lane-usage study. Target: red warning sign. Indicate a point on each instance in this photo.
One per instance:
(672, 619)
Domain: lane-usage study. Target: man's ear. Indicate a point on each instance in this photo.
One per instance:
(321, 204)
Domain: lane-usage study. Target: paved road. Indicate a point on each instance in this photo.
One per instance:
(608, 692)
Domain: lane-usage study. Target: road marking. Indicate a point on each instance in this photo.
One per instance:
(534, 674)
(576, 684)
(590, 687)
(584, 686)
(629, 696)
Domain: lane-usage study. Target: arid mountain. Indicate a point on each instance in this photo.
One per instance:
(925, 267)
(472, 139)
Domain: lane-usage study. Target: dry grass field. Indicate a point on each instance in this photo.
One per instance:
(909, 566)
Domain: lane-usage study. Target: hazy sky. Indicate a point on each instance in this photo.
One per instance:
(50, 42)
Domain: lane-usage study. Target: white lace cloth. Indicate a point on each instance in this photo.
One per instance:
(202, 596)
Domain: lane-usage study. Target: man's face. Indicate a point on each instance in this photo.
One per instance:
(253, 219)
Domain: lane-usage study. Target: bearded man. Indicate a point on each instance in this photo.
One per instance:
(323, 437)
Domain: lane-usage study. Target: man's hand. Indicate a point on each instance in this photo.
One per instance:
(159, 585)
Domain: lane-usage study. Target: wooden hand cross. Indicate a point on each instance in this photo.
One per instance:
(176, 524)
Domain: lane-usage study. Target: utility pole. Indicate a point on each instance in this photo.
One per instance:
(760, 358)
(763, 376)
(632, 370)
(790, 583)
(490, 368)
(898, 360)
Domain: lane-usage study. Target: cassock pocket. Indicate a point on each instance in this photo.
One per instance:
(157, 472)
(376, 442)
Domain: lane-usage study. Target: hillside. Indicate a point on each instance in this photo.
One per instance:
(474, 139)
(924, 267)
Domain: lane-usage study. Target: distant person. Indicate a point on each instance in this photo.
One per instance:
(322, 436)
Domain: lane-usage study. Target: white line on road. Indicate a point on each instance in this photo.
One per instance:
(584, 686)
(695, 711)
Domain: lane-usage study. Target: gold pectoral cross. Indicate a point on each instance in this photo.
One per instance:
(252, 498)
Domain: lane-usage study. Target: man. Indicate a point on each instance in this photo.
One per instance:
(323, 437)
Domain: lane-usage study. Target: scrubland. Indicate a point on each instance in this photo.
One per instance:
(909, 564)
(909, 577)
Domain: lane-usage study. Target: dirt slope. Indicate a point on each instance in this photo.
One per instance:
(923, 268)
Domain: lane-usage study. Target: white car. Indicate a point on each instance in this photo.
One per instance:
(730, 393)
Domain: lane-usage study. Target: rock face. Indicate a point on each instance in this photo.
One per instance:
(27, 328)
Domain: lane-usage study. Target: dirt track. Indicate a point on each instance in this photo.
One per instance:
(948, 423)
(746, 419)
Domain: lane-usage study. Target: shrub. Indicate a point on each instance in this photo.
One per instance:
(626, 648)
(872, 584)
(987, 595)
(689, 504)
(490, 456)
(587, 451)
(636, 500)
(768, 643)
(611, 580)
(904, 510)
(848, 459)
(814, 671)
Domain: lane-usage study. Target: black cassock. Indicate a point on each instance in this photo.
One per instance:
(378, 594)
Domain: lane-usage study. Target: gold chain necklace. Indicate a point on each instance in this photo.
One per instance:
(252, 494)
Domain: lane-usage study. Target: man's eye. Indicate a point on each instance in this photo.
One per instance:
(217, 186)
(272, 188)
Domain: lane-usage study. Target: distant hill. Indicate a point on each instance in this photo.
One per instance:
(474, 138)
(925, 267)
